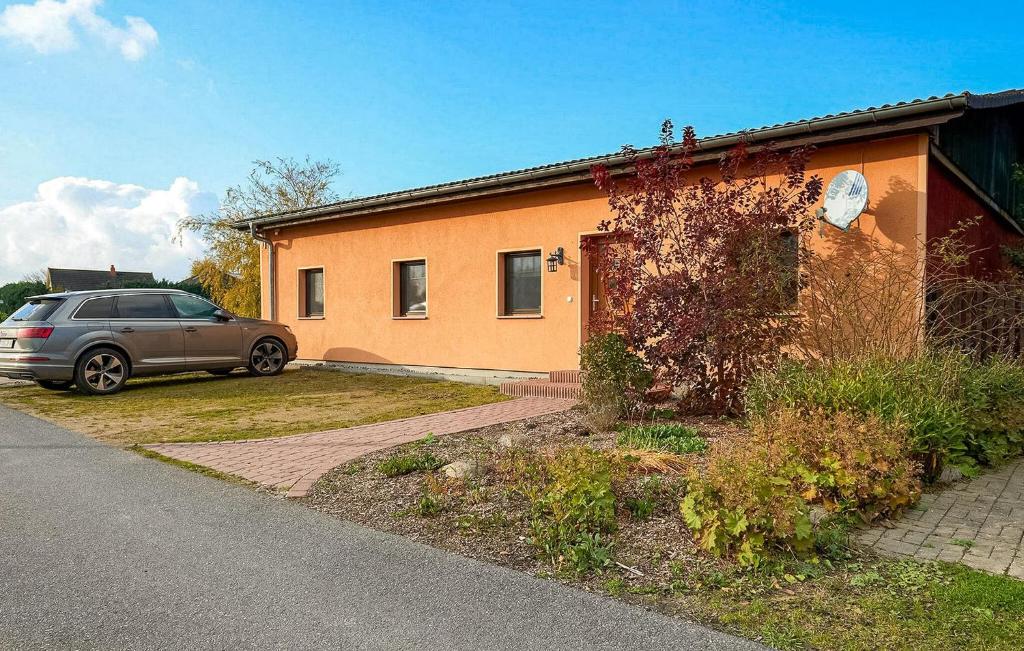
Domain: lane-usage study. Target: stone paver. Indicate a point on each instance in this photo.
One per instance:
(294, 463)
(979, 523)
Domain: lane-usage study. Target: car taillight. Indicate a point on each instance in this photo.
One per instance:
(35, 333)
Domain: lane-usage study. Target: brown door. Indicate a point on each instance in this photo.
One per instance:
(595, 308)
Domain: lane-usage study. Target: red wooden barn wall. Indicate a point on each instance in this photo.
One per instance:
(949, 202)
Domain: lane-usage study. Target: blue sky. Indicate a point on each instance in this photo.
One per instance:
(406, 94)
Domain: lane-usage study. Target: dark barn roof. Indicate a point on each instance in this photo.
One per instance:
(73, 280)
(887, 119)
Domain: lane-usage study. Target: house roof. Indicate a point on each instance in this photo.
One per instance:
(887, 119)
(71, 280)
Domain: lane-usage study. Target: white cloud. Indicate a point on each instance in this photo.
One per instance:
(48, 26)
(91, 224)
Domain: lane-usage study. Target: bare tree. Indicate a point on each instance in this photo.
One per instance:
(35, 277)
(231, 270)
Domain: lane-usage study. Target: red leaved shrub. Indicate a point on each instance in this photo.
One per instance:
(705, 270)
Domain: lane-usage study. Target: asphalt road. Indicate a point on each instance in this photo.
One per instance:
(103, 549)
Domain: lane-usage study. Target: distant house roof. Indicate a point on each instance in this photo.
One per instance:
(73, 280)
(887, 119)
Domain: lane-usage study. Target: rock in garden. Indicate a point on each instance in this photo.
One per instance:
(816, 513)
(950, 475)
(512, 440)
(463, 469)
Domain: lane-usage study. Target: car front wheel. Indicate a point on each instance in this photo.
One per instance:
(55, 385)
(268, 357)
(101, 372)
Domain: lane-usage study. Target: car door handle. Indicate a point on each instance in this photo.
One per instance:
(127, 329)
(191, 329)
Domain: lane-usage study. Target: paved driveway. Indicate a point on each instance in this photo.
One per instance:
(104, 549)
(979, 523)
(294, 463)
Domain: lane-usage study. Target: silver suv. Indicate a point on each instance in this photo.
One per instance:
(96, 340)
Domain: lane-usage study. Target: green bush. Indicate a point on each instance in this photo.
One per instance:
(573, 509)
(615, 379)
(957, 411)
(993, 396)
(403, 464)
(740, 509)
(667, 437)
(756, 490)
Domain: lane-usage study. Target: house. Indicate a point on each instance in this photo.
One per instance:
(465, 278)
(71, 280)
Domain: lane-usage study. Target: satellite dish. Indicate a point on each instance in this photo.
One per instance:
(845, 199)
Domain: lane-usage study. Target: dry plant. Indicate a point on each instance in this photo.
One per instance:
(653, 461)
(861, 302)
(981, 318)
(868, 299)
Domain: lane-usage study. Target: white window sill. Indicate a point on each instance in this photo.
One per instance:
(410, 317)
(311, 318)
(520, 316)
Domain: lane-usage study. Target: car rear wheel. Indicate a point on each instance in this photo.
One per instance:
(268, 357)
(101, 372)
(55, 385)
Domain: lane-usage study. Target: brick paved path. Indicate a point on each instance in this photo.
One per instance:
(984, 516)
(294, 463)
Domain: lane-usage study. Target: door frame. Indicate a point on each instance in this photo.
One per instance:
(585, 269)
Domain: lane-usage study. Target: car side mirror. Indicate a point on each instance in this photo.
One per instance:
(222, 315)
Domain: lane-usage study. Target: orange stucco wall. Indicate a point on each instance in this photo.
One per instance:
(461, 241)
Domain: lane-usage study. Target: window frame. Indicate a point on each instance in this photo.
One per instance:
(792, 306)
(501, 281)
(396, 289)
(113, 308)
(53, 304)
(302, 284)
(172, 312)
(170, 297)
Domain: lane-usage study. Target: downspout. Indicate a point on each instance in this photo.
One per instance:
(271, 269)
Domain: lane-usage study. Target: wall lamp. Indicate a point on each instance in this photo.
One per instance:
(556, 258)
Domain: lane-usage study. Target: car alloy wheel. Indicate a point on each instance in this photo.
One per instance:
(267, 358)
(104, 372)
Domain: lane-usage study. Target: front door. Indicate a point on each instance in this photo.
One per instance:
(596, 308)
(597, 302)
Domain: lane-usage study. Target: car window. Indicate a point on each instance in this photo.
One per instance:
(96, 308)
(37, 310)
(144, 306)
(192, 307)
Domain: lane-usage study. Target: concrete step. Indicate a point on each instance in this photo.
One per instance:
(542, 389)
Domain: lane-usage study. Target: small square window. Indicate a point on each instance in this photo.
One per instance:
(521, 287)
(412, 288)
(311, 301)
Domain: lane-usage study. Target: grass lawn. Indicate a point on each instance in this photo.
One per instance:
(869, 605)
(201, 407)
